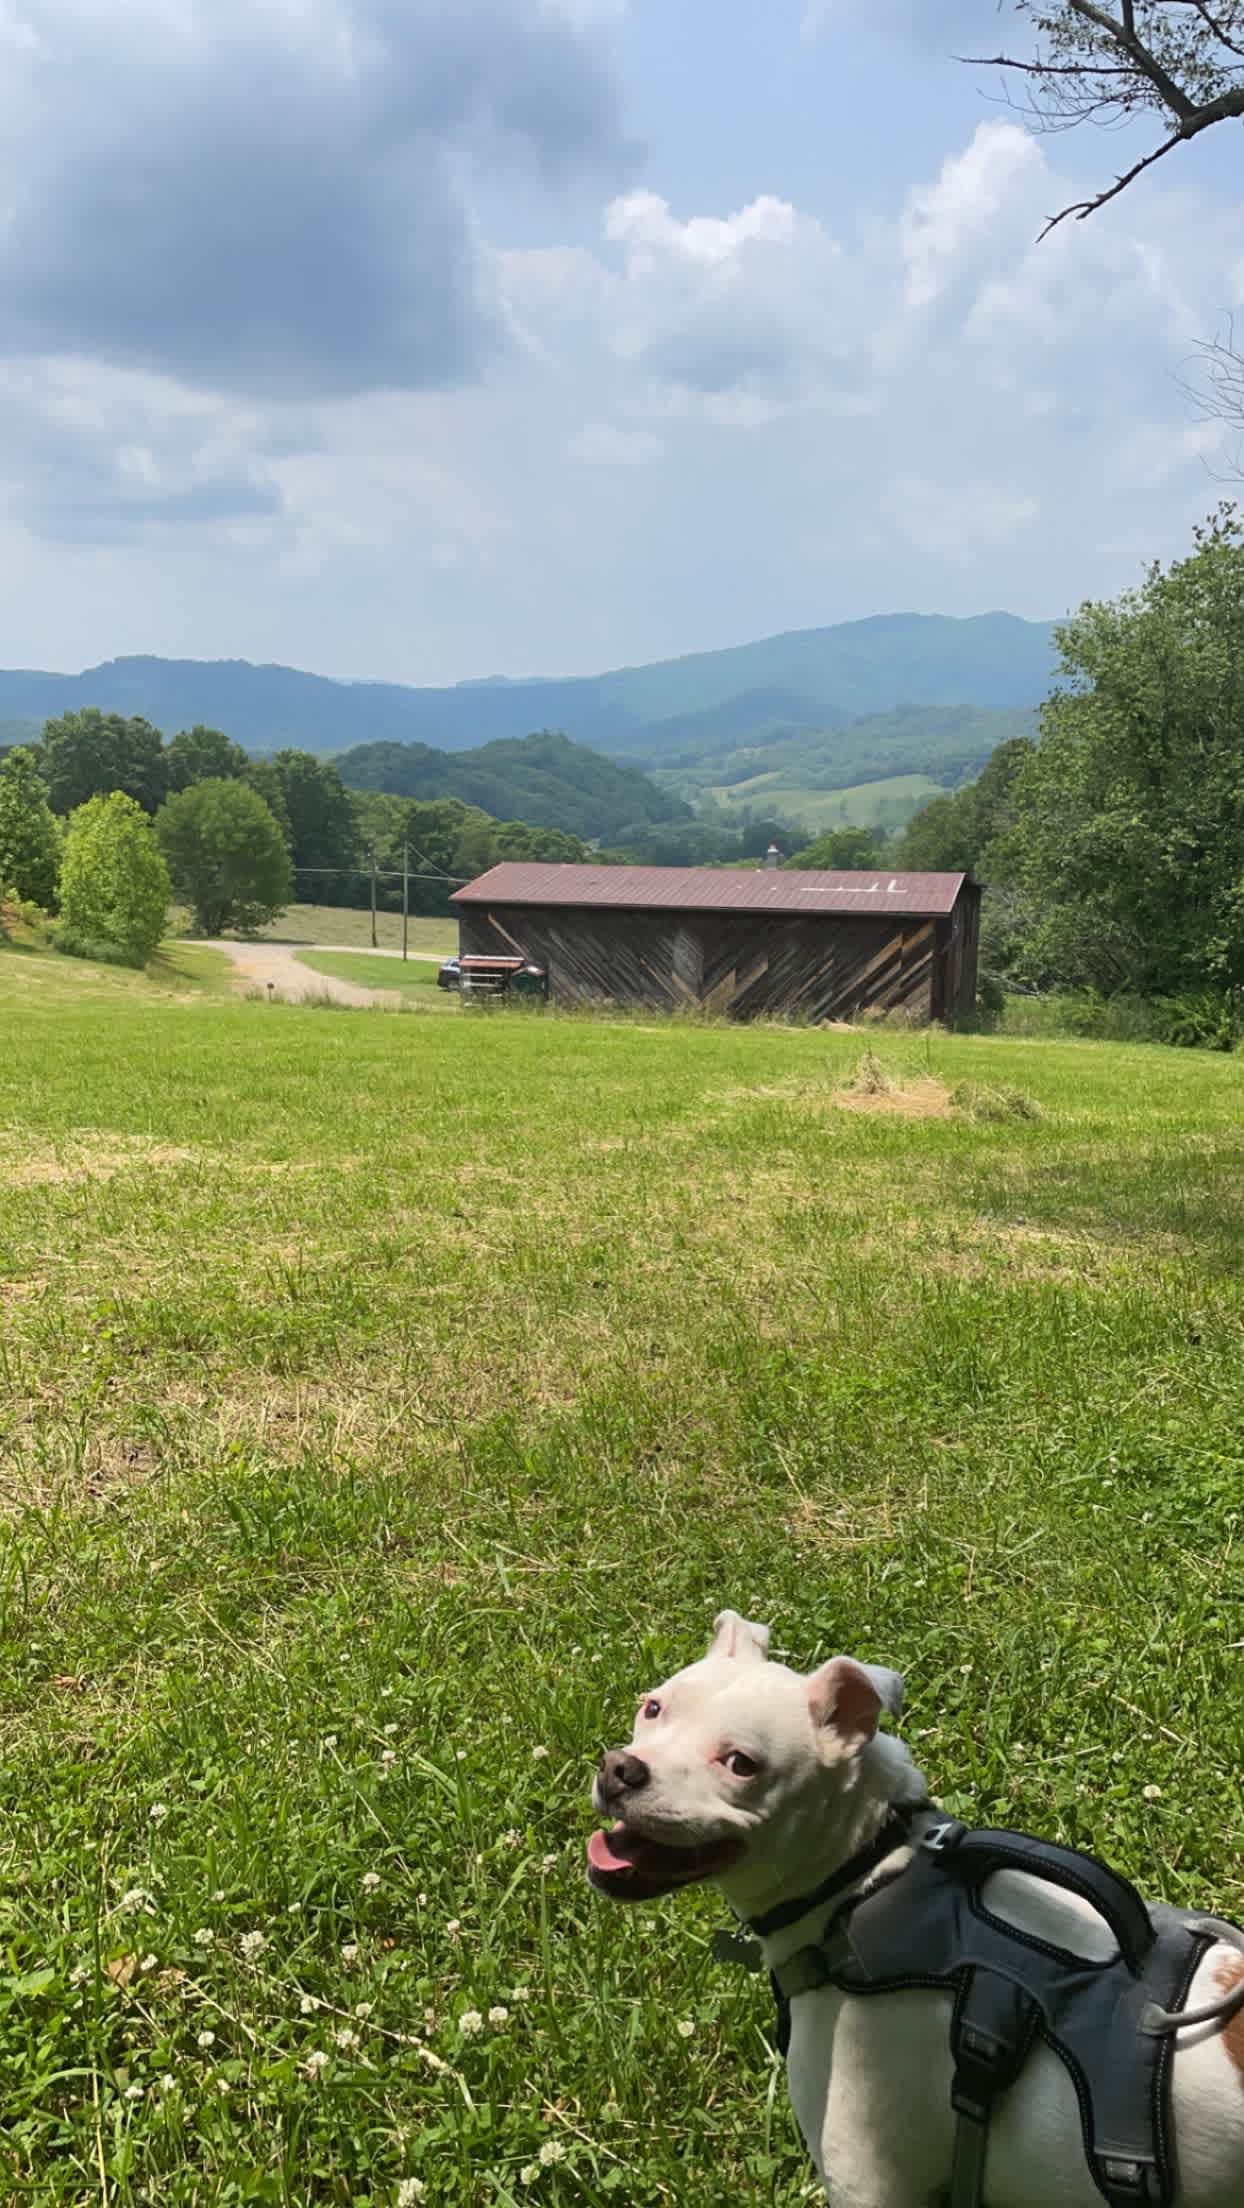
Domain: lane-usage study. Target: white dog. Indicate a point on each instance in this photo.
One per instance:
(781, 1790)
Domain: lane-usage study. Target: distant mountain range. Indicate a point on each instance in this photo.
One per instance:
(898, 695)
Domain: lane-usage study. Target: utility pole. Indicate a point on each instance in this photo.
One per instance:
(405, 892)
(371, 857)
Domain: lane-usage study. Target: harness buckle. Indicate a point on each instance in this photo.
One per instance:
(940, 1839)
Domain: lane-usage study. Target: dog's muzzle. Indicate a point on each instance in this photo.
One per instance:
(619, 1774)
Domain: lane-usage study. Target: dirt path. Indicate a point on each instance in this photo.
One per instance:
(276, 966)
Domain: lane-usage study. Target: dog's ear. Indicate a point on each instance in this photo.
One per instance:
(889, 1685)
(736, 1636)
(844, 1700)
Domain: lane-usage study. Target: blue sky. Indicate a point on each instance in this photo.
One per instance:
(426, 339)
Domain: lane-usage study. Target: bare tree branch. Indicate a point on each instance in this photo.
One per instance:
(1107, 61)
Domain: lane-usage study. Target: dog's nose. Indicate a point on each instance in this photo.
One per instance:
(622, 1773)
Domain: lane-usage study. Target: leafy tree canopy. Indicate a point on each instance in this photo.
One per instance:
(1128, 833)
(201, 754)
(226, 855)
(89, 754)
(30, 837)
(841, 848)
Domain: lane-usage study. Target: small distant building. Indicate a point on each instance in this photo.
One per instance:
(818, 946)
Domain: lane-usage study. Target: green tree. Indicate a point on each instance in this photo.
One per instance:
(262, 776)
(318, 808)
(956, 834)
(114, 885)
(202, 754)
(29, 833)
(841, 849)
(89, 754)
(1128, 833)
(226, 855)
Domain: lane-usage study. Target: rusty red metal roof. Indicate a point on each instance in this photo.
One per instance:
(711, 889)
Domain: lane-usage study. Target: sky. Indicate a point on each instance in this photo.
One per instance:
(424, 340)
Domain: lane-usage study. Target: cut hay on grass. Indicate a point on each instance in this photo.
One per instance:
(387, 1402)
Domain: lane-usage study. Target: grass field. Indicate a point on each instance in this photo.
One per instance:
(861, 806)
(386, 1403)
(415, 978)
(342, 924)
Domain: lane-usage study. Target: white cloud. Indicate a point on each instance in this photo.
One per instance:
(945, 224)
(605, 445)
(709, 424)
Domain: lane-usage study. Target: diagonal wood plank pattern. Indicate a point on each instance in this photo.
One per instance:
(741, 965)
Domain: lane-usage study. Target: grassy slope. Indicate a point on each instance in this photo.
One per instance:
(376, 1390)
(417, 980)
(342, 924)
(865, 802)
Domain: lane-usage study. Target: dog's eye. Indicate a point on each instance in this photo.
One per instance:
(741, 1766)
(651, 1708)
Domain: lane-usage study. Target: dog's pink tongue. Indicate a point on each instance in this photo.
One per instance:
(611, 1851)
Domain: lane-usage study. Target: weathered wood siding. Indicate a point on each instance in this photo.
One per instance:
(741, 964)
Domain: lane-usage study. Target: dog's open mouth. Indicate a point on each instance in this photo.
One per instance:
(628, 1867)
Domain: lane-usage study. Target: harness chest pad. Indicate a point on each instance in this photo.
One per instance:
(930, 1928)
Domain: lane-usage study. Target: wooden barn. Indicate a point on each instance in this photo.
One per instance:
(771, 942)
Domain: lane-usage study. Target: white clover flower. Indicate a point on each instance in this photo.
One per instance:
(222, 2085)
(158, 1812)
(538, 1754)
(460, 1755)
(149, 1962)
(513, 1838)
(529, 2173)
(549, 1864)
(498, 2015)
(219, 1894)
(316, 2062)
(135, 1899)
(168, 2083)
(686, 2029)
(207, 2039)
(552, 2151)
(346, 2039)
(389, 1731)
(362, 2010)
(385, 1692)
(422, 1900)
(329, 1740)
(308, 2004)
(204, 1938)
(410, 2191)
(1152, 1793)
(371, 1879)
(253, 1944)
(79, 1974)
(388, 1759)
(350, 1954)
(133, 2092)
(521, 1993)
(454, 1927)
(470, 2024)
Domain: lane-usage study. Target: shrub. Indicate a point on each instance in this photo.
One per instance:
(114, 884)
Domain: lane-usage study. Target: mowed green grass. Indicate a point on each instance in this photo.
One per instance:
(344, 924)
(387, 1403)
(414, 977)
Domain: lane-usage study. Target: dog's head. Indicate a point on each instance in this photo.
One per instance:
(734, 1764)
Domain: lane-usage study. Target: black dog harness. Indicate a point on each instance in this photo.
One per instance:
(1112, 2024)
